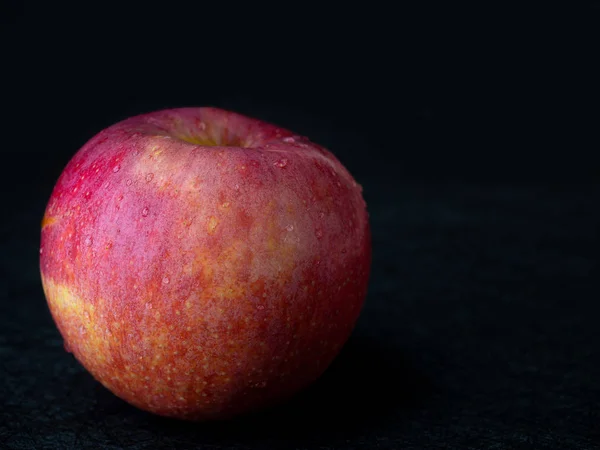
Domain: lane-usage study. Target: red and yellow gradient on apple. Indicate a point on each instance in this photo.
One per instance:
(201, 264)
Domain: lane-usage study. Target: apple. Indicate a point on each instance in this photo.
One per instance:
(202, 264)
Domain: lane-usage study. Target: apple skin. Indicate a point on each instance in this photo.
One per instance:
(201, 264)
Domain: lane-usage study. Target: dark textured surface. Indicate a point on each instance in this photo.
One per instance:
(480, 331)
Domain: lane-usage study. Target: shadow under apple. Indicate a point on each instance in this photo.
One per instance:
(369, 383)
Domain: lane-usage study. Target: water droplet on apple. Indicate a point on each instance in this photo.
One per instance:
(289, 139)
(88, 241)
(67, 347)
(129, 182)
(149, 177)
(261, 307)
(319, 233)
(281, 163)
(148, 305)
(321, 215)
(145, 212)
(202, 126)
(289, 227)
(166, 280)
(116, 168)
(237, 187)
(41, 251)
(87, 316)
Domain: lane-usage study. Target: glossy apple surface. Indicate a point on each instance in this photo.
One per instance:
(201, 264)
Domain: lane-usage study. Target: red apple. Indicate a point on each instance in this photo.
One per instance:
(201, 264)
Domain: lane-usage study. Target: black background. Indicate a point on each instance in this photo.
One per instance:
(473, 130)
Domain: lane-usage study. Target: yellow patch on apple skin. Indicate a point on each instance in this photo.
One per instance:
(77, 316)
(200, 266)
(212, 224)
(48, 220)
(125, 368)
(156, 151)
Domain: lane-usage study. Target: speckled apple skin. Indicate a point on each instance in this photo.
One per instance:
(201, 264)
